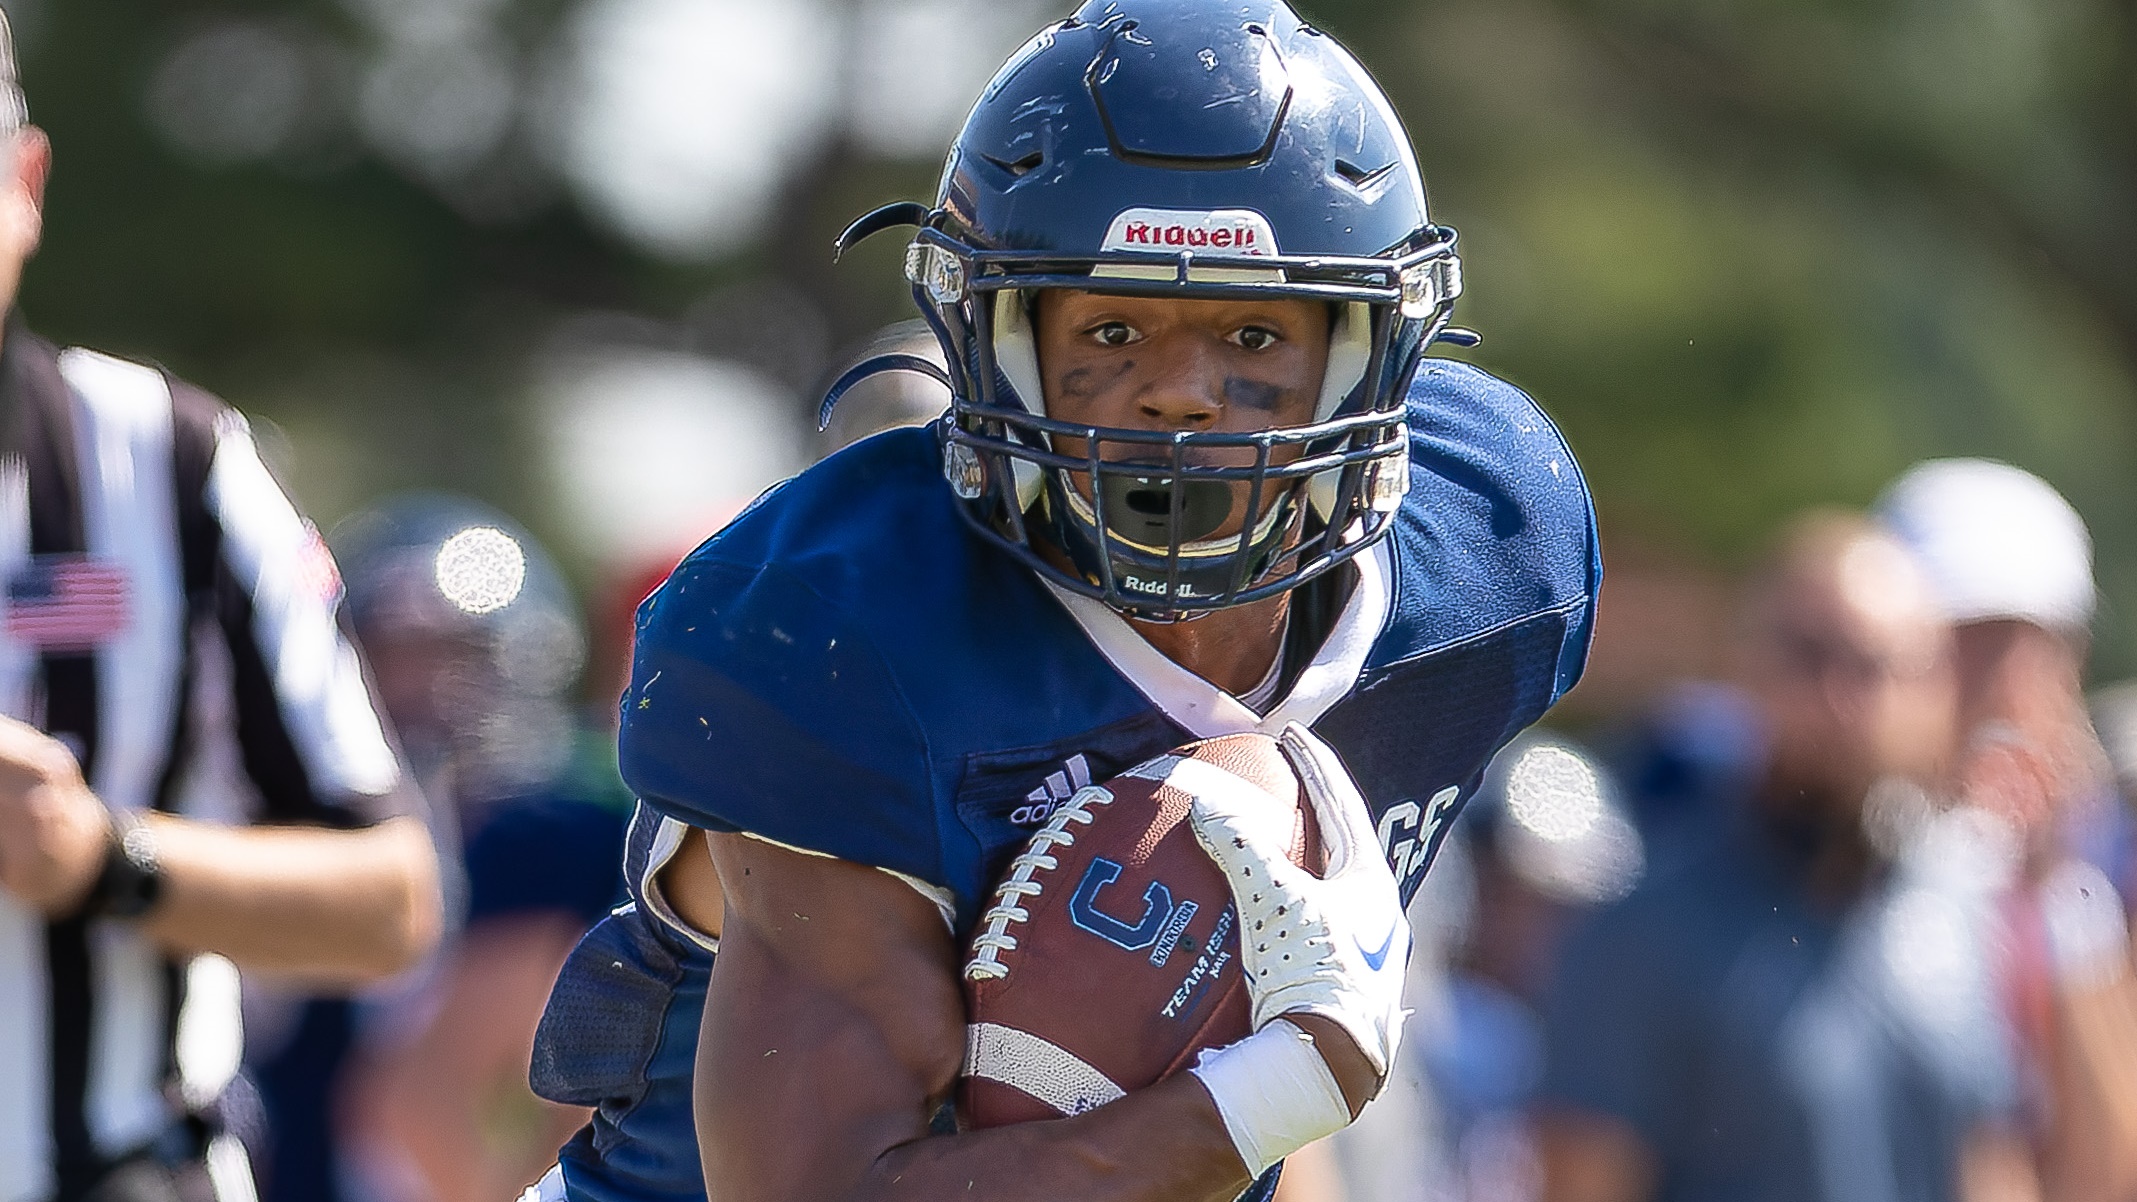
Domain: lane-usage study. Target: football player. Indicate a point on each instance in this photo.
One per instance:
(1198, 478)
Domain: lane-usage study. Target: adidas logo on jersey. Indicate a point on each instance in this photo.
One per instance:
(1040, 804)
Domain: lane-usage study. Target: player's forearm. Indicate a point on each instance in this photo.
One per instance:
(1162, 1144)
(805, 1094)
(1166, 1143)
(330, 906)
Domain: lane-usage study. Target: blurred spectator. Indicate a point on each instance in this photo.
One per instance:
(1398, 1149)
(1548, 842)
(2010, 563)
(1804, 1009)
(1684, 762)
(422, 1095)
(1543, 841)
(2112, 844)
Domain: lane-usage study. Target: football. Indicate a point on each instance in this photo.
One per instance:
(1109, 956)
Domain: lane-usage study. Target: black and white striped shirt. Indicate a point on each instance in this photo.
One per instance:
(226, 692)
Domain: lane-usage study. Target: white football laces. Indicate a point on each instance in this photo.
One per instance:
(994, 937)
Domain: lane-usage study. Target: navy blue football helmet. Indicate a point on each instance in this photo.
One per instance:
(1190, 148)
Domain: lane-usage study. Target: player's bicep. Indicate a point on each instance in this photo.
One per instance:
(833, 1027)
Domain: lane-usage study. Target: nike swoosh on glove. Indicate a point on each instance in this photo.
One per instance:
(1336, 945)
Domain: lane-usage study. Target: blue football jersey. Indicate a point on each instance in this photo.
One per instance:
(849, 670)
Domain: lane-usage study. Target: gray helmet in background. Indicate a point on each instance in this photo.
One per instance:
(473, 636)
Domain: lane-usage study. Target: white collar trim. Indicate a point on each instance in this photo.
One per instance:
(1207, 711)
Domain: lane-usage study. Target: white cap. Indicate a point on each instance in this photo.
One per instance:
(1997, 542)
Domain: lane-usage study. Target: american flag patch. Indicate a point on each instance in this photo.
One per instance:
(65, 603)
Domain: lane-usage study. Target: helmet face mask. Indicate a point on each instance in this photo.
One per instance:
(1167, 525)
(1201, 151)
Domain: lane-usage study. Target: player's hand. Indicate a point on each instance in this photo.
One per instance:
(1335, 946)
(54, 833)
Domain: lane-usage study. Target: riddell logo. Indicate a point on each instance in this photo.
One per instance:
(1229, 233)
(1040, 804)
(1154, 588)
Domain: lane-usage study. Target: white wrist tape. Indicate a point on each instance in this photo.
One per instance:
(1275, 1092)
(2088, 935)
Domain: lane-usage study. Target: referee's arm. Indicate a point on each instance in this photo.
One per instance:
(340, 883)
(334, 906)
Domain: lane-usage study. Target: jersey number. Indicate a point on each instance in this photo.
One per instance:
(1408, 831)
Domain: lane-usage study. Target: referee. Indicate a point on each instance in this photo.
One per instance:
(193, 774)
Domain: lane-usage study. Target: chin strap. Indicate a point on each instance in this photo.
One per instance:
(876, 366)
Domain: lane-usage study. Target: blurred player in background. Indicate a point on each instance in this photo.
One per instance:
(191, 761)
(1545, 841)
(420, 1094)
(2011, 565)
(1197, 479)
(1547, 844)
(1806, 1009)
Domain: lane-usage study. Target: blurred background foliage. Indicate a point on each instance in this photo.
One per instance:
(572, 256)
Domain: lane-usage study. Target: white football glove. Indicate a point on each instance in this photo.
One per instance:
(1337, 945)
